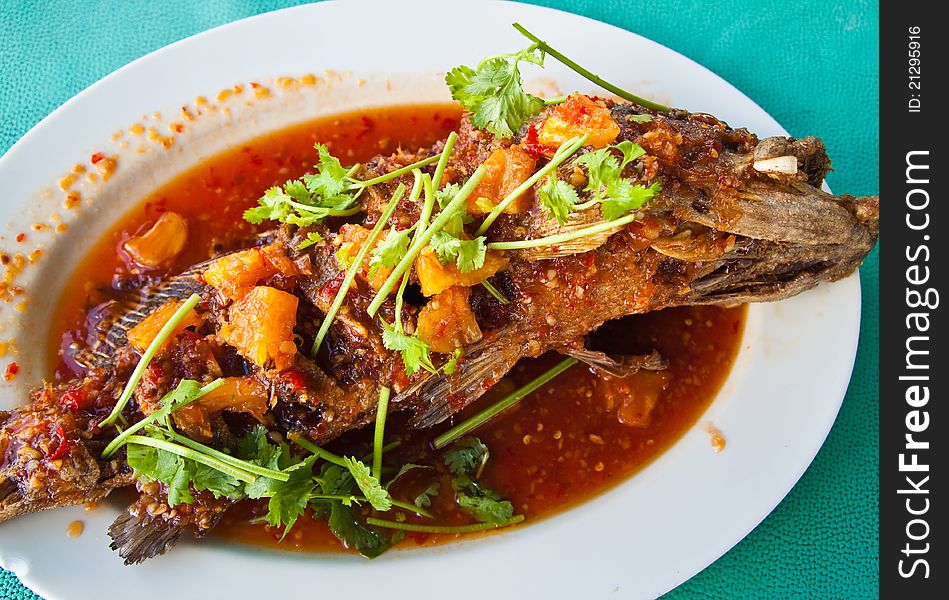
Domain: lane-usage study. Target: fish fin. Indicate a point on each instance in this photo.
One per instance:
(483, 365)
(7, 490)
(620, 366)
(136, 538)
(120, 315)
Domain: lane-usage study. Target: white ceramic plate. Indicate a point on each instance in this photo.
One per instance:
(640, 539)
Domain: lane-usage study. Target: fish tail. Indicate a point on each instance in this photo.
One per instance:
(137, 538)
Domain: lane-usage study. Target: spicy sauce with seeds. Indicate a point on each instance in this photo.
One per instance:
(574, 438)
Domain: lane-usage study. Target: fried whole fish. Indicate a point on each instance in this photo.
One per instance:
(737, 220)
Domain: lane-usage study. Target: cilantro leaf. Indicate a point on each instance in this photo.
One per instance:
(639, 118)
(144, 461)
(471, 254)
(465, 460)
(414, 351)
(312, 238)
(602, 168)
(255, 448)
(335, 480)
(558, 198)
(630, 152)
(619, 196)
(485, 505)
(492, 92)
(353, 533)
(624, 198)
(309, 200)
(465, 455)
(389, 251)
(330, 179)
(218, 483)
(425, 497)
(445, 246)
(370, 486)
(449, 367)
(151, 464)
(179, 488)
(185, 392)
(468, 255)
(444, 195)
(403, 470)
(289, 498)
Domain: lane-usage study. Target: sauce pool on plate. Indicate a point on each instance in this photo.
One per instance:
(572, 439)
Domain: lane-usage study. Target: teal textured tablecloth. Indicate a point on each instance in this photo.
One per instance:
(812, 64)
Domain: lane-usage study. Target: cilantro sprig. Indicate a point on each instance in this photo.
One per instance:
(546, 48)
(492, 92)
(468, 255)
(331, 191)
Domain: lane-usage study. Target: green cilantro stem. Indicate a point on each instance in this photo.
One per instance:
(397, 503)
(163, 334)
(411, 507)
(443, 160)
(443, 217)
(557, 100)
(545, 47)
(379, 432)
(117, 443)
(495, 292)
(354, 268)
(239, 474)
(330, 212)
(227, 458)
(416, 528)
(501, 405)
(390, 446)
(397, 173)
(312, 448)
(562, 154)
(561, 238)
(419, 226)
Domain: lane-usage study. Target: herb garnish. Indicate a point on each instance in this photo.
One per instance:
(493, 95)
(330, 192)
(501, 405)
(354, 268)
(423, 238)
(544, 47)
(492, 92)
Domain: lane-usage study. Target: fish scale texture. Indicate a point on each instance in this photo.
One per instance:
(812, 64)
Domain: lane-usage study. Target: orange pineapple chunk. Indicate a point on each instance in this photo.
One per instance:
(140, 336)
(579, 115)
(234, 273)
(434, 277)
(353, 237)
(506, 169)
(260, 326)
(447, 321)
(161, 243)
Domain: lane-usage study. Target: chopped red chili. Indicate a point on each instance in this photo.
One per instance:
(72, 400)
(63, 446)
